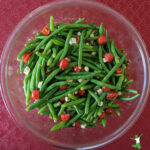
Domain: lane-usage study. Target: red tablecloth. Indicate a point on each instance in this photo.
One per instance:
(11, 12)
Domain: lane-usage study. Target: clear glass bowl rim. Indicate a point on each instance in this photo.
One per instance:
(135, 115)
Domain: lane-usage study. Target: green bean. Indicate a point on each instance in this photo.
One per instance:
(58, 126)
(129, 98)
(93, 38)
(96, 112)
(41, 55)
(89, 117)
(61, 111)
(44, 108)
(72, 96)
(101, 59)
(87, 104)
(88, 33)
(58, 42)
(100, 83)
(71, 121)
(51, 23)
(49, 78)
(80, 20)
(56, 59)
(33, 79)
(54, 85)
(131, 91)
(66, 71)
(90, 75)
(127, 83)
(117, 111)
(66, 47)
(52, 111)
(100, 110)
(119, 83)
(57, 104)
(76, 102)
(77, 110)
(95, 96)
(101, 29)
(21, 66)
(80, 48)
(35, 41)
(48, 46)
(103, 122)
(95, 120)
(86, 87)
(45, 112)
(41, 37)
(114, 52)
(28, 93)
(25, 50)
(118, 52)
(38, 71)
(43, 70)
(90, 66)
(114, 68)
(50, 60)
(70, 91)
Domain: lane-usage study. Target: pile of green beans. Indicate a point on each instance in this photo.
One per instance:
(48, 51)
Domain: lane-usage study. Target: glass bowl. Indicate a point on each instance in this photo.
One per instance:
(125, 36)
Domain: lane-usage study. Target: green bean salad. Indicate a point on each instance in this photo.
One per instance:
(74, 73)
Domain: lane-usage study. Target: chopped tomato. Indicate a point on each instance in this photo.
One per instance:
(81, 92)
(106, 89)
(64, 63)
(108, 57)
(63, 87)
(46, 30)
(77, 69)
(102, 39)
(112, 95)
(35, 94)
(26, 56)
(119, 71)
(65, 117)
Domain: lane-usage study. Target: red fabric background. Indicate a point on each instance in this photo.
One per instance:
(11, 12)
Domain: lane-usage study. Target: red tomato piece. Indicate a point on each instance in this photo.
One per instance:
(112, 95)
(106, 89)
(65, 117)
(46, 31)
(77, 69)
(63, 87)
(26, 56)
(62, 99)
(64, 63)
(118, 71)
(102, 39)
(109, 57)
(35, 94)
(81, 92)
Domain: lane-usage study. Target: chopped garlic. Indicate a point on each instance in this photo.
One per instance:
(86, 68)
(40, 84)
(119, 93)
(76, 92)
(92, 42)
(26, 70)
(69, 80)
(83, 126)
(100, 104)
(87, 43)
(73, 41)
(68, 59)
(67, 99)
(93, 53)
(92, 35)
(99, 91)
(80, 80)
(104, 60)
(79, 33)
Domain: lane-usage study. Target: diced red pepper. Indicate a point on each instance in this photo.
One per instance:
(64, 63)
(65, 117)
(102, 39)
(35, 94)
